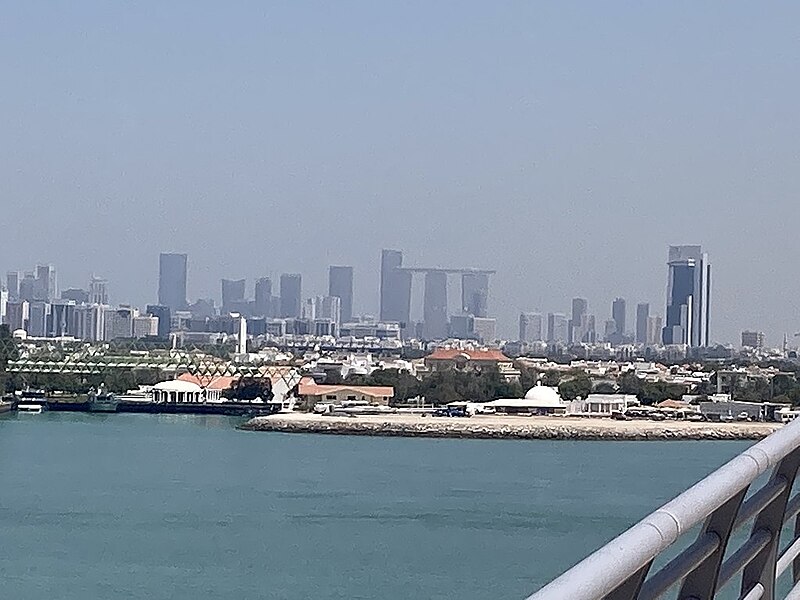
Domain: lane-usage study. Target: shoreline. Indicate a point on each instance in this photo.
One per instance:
(508, 427)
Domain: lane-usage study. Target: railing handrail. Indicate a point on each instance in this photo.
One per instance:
(619, 561)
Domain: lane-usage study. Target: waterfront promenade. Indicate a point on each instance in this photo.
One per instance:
(509, 427)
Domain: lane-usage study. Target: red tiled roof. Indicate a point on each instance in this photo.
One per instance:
(452, 353)
(211, 382)
(307, 388)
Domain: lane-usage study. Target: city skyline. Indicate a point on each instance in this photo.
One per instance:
(439, 319)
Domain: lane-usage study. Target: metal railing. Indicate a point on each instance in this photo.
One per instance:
(621, 570)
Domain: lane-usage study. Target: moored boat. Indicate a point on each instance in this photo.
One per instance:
(102, 401)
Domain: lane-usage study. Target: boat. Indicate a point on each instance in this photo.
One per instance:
(6, 406)
(30, 408)
(102, 401)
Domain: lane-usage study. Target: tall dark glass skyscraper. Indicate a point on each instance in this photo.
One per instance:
(340, 284)
(618, 313)
(395, 288)
(688, 297)
(172, 281)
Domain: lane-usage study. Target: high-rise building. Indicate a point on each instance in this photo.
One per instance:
(17, 312)
(753, 339)
(291, 295)
(119, 323)
(38, 314)
(3, 305)
(642, 314)
(62, 314)
(340, 284)
(434, 307)
(172, 270)
(232, 295)
(530, 327)
(557, 328)
(580, 308)
(325, 312)
(475, 294)
(395, 289)
(619, 309)
(654, 330)
(145, 326)
(45, 283)
(462, 327)
(485, 329)
(263, 299)
(90, 322)
(29, 287)
(164, 318)
(12, 285)
(98, 290)
(688, 297)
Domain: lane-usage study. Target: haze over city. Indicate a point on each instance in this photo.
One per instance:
(565, 149)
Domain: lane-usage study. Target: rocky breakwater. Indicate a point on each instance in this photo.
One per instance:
(537, 428)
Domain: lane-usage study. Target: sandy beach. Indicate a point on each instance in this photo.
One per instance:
(509, 427)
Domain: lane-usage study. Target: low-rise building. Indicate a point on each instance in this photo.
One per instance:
(310, 393)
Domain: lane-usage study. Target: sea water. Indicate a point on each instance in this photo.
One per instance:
(126, 506)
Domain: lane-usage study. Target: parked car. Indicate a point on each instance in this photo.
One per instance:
(657, 416)
(743, 416)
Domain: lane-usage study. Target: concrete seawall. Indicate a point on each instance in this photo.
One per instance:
(502, 427)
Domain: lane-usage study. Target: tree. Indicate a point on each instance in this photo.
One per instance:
(604, 387)
(579, 386)
(247, 389)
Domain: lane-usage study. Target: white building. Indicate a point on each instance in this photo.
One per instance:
(145, 326)
(539, 400)
(602, 405)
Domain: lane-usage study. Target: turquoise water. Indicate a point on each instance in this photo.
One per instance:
(180, 507)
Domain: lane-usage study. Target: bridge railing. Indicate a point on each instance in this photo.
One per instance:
(621, 570)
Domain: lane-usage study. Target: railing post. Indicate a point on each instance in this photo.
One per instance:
(629, 589)
(796, 561)
(701, 583)
(761, 570)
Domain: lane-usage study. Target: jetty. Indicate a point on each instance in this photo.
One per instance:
(508, 427)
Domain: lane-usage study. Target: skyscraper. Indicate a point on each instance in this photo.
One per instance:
(557, 328)
(45, 283)
(395, 288)
(232, 294)
(172, 281)
(12, 284)
(340, 284)
(475, 294)
(580, 307)
(291, 295)
(530, 327)
(98, 290)
(688, 297)
(434, 308)
(618, 310)
(642, 314)
(263, 300)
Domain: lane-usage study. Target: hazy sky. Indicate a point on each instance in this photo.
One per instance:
(564, 144)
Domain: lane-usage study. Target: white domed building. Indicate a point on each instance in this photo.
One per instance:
(539, 400)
